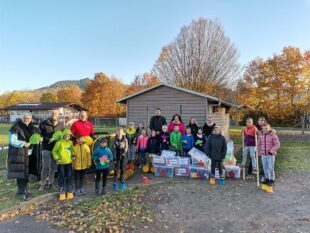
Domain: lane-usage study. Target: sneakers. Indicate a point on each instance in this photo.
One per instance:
(70, 196)
(78, 192)
(123, 186)
(115, 186)
(62, 196)
(82, 192)
(97, 192)
(41, 189)
(26, 195)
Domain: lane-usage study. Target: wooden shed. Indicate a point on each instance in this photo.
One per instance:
(141, 106)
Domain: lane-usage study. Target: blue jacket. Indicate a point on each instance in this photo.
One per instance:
(101, 155)
(188, 141)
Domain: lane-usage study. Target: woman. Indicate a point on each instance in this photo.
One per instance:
(176, 120)
(19, 152)
(208, 127)
(193, 125)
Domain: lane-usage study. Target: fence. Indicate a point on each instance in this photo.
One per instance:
(108, 123)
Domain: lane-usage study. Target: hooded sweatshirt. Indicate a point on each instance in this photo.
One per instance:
(102, 157)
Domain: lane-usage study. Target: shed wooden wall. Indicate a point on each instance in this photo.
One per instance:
(221, 118)
(169, 101)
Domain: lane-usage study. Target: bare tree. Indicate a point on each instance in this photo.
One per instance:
(200, 58)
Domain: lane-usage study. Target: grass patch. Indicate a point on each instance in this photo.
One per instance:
(112, 213)
(4, 132)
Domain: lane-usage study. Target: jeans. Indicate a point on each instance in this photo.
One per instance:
(65, 178)
(131, 153)
(219, 165)
(245, 152)
(79, 176)
(142, 158)
(104, 173)
(185, 152)
(21, 185)
(48, 167)
(268, 166)
(119, 166)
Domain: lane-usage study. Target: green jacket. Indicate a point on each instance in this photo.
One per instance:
(63, 151)
(176, 140)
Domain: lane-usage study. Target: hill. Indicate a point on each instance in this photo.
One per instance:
(64, 83)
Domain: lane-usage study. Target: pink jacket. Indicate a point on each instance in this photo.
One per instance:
(268, 143)
(142, 142)
(181, 128)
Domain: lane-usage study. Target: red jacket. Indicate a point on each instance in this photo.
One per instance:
(84, 128)
(142, 142)
(268, 143)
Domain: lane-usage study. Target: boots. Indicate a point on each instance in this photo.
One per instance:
(62, 196)
(69, 196)
(123, 186)
(222, 181)
(115, 186)
(212, 180)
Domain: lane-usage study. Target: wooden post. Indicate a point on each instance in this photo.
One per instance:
(257, 167)
(243, 167)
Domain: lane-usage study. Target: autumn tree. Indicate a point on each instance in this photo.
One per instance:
(201, 58)
(142, 82)
(101, 94)
(69, 94)
(48, 97)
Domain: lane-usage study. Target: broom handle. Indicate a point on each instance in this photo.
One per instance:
(257, 167)
(243, 168)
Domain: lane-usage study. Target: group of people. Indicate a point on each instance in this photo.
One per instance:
(72, 154)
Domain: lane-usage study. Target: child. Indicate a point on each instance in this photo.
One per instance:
(142, 147)
(268, 145)
(63, 153)
(200, 140)
(102, 157)
(164, 139)
(120, 147)
(188, 142)
(176, 140)
(81, 162)
(139, 128)
(131, 137)
(249, 134)
(216, 151)
(153, 144)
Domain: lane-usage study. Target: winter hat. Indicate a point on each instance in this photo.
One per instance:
(66, 131)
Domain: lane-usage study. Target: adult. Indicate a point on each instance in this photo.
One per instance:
(193, 125)
(157, 121)
(47, 128)
(176, 120)
(208, 127)
(19, 152)
(82, 127)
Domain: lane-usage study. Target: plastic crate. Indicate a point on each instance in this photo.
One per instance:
(232, 171)
(199, 172)
(164, 171)
(173, 162)
(184, 162)
(168, 154)
(181, 171)
(158, 160)
(199, 157)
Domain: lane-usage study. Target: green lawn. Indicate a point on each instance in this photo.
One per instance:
(4, 130)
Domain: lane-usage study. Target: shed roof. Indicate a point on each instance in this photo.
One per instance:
(212, 98)
(41, 106)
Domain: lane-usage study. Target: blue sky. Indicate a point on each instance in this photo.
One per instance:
(42, 42)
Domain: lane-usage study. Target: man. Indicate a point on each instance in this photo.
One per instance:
(82, 127)
(47, 128)
(157, 121)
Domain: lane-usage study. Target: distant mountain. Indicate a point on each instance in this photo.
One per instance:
(82, 83)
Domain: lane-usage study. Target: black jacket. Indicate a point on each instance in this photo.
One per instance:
(194, 128)
(207, 130)
(47, 129)
(153, 145)
(18, 159)
(120, 148)
(164, 141)
(217, 147)
(157, 122)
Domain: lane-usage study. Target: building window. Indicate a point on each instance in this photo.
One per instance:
(216, 109)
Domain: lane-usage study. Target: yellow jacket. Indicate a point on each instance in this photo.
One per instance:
(63, 151)
(82, 157)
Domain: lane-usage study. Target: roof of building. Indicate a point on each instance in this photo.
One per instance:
(41, 106)
(212, 98)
